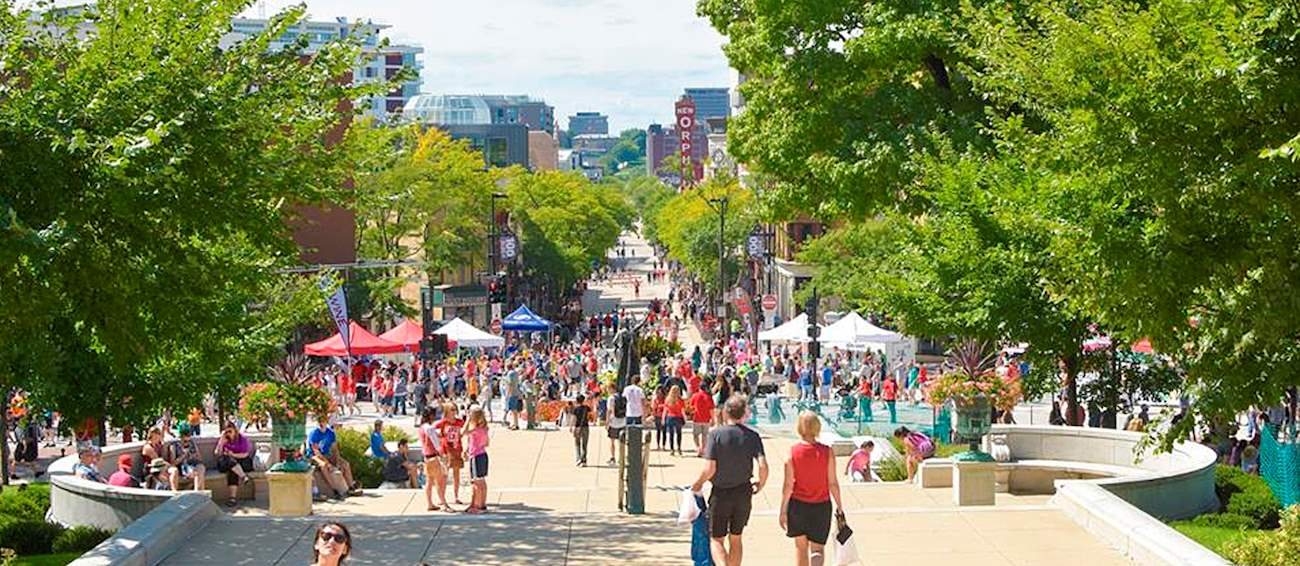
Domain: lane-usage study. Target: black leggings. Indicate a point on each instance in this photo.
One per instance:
(659, 432)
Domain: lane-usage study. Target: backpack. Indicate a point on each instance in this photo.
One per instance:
(620, 406)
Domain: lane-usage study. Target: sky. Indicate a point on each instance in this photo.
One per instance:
(629, 59)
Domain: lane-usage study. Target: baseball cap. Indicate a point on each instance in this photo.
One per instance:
(157, 465)
(124, 461)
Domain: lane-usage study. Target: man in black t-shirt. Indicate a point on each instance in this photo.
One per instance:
(729, 454)
(581, 431)
(398, 469)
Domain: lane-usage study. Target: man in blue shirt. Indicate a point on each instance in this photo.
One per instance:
(322, 450)
(805, 383)
(377, 449)
(828, 377)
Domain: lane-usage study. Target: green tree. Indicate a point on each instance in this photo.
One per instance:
(147, 182)
(688, 223)
(842, 96)
(566, 226)
(1150, 124)
(972, 266)
(420, 196)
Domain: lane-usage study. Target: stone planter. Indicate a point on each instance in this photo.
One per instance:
(290, 493)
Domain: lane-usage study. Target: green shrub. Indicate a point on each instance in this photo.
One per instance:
(393, 434)
(1226, 521)
(80, 539)
(30, 501)
(352, 447)
(1271, 548)
(1257, 504)
(892, 469)
(1229, 480)
(29, 536)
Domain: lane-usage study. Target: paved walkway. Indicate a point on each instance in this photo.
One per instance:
(545, 510)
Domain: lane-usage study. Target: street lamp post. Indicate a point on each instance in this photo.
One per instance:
(720, 205)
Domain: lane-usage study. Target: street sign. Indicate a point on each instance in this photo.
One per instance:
(496, 326)
(769, 302)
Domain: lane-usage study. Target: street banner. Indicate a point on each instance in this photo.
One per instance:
(338, 305)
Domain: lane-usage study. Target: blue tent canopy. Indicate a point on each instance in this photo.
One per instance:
(525, 320)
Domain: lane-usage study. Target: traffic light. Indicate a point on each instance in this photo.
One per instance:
(496, 290)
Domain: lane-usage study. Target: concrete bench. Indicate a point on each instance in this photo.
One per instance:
(1027, 477)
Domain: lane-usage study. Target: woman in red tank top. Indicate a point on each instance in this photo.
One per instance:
(810, 485)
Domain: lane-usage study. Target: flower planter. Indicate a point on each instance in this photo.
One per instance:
(974, 417)
(289, 435)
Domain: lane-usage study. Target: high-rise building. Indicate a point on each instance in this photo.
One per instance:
(376, 63)
(589, 123)
(711, 102)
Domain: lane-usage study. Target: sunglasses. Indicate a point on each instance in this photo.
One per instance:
(336, 537)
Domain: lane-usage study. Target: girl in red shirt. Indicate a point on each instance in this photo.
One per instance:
(657, 408)
(674, 419)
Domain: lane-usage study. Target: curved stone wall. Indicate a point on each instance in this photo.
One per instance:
(75, 501)
(1172, 485)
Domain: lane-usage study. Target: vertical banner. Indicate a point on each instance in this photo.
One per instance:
(685, 130)
(338, 305)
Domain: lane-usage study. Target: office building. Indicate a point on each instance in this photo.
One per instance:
(520, 109)
(376, 63)
(593, 123)
(468, 109)
(710, 102)
(502, 145)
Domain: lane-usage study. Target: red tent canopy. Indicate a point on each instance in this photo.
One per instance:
(407, 334)
(363, 342)
(1143, 346)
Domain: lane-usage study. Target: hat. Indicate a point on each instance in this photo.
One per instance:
(87, 448)
(124, 461)
(157, 465)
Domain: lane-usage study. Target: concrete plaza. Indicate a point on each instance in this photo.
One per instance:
(546, 510)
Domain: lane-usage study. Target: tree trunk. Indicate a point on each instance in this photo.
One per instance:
(939, 71)
(1072, 417)
(4, 435)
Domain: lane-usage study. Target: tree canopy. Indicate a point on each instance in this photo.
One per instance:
(1127, 164)
(687, 224)
(147, 179)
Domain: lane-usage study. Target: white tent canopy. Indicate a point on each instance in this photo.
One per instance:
(853, 330)
(466, 335)
(796, 330)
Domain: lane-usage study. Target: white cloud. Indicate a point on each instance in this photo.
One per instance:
(627, 58)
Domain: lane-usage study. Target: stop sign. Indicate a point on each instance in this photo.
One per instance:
(769, 302)
(496, 326)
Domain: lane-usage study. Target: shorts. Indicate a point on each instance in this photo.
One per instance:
(699, 428)
(478, 467)
(729, 510)
(812, 520)
(455, 460)
(514, 404)
(613, 432)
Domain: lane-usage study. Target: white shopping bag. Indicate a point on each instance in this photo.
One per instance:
(687, 510)
(846, 552)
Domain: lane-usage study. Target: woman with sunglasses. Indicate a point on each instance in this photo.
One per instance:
(333, 544)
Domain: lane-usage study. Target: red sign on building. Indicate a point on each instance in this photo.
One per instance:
(686, 129)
